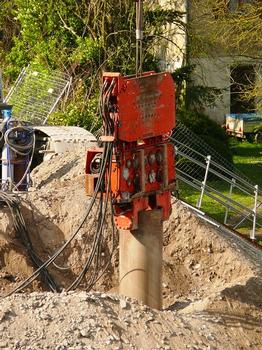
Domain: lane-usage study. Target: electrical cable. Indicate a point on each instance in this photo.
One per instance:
(21, 146)
(66, 268)
(94, 255)
(36, 273)
(98, 257)
(105, 108)
(100, 224)
(20, 228)
(24, 147)
(106, 159)
(16, 186)
(112, 252)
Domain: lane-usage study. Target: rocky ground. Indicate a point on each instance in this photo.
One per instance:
(211, 280)
(100, 321)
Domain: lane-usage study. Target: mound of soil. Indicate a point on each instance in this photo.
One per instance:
(205, 274)
(81, 321)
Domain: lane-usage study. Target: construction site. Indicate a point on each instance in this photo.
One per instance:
(100, 247)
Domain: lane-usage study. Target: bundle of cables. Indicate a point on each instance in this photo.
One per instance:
(23, 145)
(107, 112)
(12, 203)
(102, 187)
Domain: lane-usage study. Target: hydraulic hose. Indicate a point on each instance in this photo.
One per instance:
(23, 147)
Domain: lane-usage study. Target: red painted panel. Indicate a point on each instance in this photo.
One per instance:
(146, 107)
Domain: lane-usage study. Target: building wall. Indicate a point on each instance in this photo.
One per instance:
(214, 64)
(172, 52)
(216, 72)
(212, 70)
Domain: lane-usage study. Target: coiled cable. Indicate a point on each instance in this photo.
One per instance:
(24, 146)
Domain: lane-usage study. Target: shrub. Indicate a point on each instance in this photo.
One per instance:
(209, 130)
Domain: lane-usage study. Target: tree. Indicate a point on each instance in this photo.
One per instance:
(232, 29)
(82, 38)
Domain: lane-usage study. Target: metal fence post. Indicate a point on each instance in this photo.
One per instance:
(199, 202)
(230, 195)
(253, 232)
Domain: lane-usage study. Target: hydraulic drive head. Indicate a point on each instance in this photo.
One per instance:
(138, 115)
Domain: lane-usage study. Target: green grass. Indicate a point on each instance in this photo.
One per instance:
(247, 158)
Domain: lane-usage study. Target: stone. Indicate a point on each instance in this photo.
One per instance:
(123, 304)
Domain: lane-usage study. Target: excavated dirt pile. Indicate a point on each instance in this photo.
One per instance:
(211, 281)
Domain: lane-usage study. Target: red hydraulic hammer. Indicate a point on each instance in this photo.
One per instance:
(142, 113)
(138, 117)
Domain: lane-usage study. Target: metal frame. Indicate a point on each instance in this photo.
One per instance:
(35, 95)
(190, 163)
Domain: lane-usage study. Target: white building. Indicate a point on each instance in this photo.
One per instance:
(172, 50)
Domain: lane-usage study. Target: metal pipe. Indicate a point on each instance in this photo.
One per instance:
(230, 195)
(139, 36)
(208, 159)
(140, 264)
(253, 232)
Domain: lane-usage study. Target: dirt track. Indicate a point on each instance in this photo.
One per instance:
(211, 282)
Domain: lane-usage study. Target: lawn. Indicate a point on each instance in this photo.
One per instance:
(247, 158)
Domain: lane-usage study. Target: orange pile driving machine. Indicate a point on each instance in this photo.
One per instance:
(139, 113)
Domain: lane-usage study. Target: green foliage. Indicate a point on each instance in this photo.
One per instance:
(190, 96)
(85, 38)
(231, 28)
(87, 50)
(208, 129)
(82, 38)
(16, 59)
(79, 114)
(160, 17)
(198, 96)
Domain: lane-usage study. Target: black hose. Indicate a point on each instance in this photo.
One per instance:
(36, 273)
(100, 223)
(20, 228)
(105, 165)
(22, 148)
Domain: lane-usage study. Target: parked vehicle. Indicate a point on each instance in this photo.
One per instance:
(245, 126)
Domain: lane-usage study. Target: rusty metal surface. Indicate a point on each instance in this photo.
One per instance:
(150, 103)
(139, 112)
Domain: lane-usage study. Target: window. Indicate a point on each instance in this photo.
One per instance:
(242, 79)
(234, 5)
(228, 6)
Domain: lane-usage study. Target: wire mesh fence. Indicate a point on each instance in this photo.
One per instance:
(35, 94)
(213, 184)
